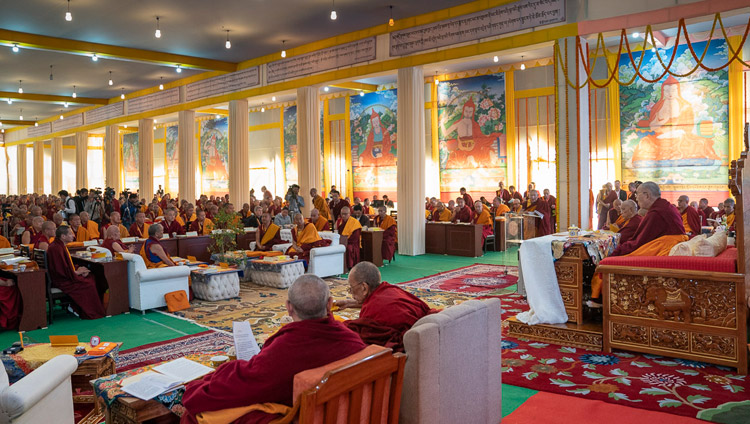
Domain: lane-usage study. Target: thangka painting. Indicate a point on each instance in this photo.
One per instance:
(675, 131)
(290, 145)
(373, 134)
(130, 160)
(471, 132)
(173, 169)
(214, 156)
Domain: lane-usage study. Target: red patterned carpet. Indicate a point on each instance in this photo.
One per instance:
(476, 280)
(202, 344)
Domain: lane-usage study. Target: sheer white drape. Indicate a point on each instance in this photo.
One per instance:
(411, 162)
(146, 158)
(111, 158)
(57, 164)
(186, 153)
(39, 167)
(308, 144)
(239, 150)
(21, 169)
(82, 150)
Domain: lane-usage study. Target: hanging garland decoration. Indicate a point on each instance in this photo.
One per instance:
(624, 46)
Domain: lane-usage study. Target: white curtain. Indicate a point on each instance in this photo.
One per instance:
(308, 143)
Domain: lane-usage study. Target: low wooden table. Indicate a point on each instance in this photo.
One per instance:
(372, 244)
(194, 246)
(453, 239)
(110, 273)
(32, 285)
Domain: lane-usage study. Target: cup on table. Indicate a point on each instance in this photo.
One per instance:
(22, 267)
(218, 360)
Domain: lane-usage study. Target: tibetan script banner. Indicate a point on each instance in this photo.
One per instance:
(154, 101)
(226, 83)
(42, 129)
(322, 60)
(516, 16)
(105, 112)
(68, 123)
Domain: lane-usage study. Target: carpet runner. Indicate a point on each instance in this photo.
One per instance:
(207, 343)
(477, 280)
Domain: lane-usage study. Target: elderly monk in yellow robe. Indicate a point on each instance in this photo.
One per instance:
(538, 204)
(152, 251)
(390, 233)
(321, 224)
(90, 226)
(498, 207)
(350, 227)
(441, 213)
(268, 234)
(113, 243)
(201, 225)
(482, 217)
(81, 234)
(659, 231)
(304, 238)
(320, 204)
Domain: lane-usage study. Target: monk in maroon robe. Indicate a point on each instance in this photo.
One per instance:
(502, 193)
(662, 219)
(313, 340)
(304, 238)
(467, 197)
(74, 282)
(691, 220)
(336, 204)
(462, 212)
(390, 233)
(113, 243)
(538, 204)
(349, 227)
(170, 224)
(705, 210)
(268, 234)
(515, 194)
(387, 310)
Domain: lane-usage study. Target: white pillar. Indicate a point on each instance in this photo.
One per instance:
(21, 169)
(82, 153)
(57, 160)
(239, 153)
(112, 153)
(308, 144)
(39, 167)
(187, 155)
(411, 162)
(146, 158)
(572, 139)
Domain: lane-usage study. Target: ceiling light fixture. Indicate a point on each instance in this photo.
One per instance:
(110, 79)
(161, 83)
(217, 116)
(61, 115)
(157, 33)
(437, 80)
(20, 87)
(2, 130)
(94, 57)
(523, 66)
(496, 59)
(636, 35)
(65, 105)
(283, 52)
(36, 123)
(262, 108)
(68, 15)
(14, 48)
(333, 10)
(361, 94)
(391, 22)
(326, 88)
(51, 75)
(20, 116)
(178, 69)
(10, 101)
(273, 99)
(74, 92)
(228, 43)
(122, 94)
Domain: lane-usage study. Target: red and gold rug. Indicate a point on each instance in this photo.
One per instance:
(475, 280)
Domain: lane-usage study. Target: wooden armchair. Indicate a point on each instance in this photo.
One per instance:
(373, 381)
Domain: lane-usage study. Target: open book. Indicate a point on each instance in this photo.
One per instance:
(163, 378)
(536, 214)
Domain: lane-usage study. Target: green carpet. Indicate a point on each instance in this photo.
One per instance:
(514, 396)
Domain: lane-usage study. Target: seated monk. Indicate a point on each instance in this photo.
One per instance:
(33, 232)
(113, 243)
(462, 211)
(47, 236)
(614, 212)
(115, 220)
(304, 238)
(498, 207)
(313, 340)
(90, 226)
(537, 204)
(390, 233)
(170, 225)
(729, 213)
(152, 252)
(140, 227)
(268, 234)
(348, 226)
(253, 221)
(691, 220)
(717, 214)
(441, 213)
(660, 229)
(628, 221)
(202, 225)
(74, 282)
(366, 208)
(387, 310)
(482, 217)
(321, 224)
(81, 234)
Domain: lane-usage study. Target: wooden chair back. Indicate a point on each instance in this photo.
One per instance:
(738, 181)
(383, 372)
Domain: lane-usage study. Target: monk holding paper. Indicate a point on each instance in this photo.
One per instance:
(348, 226)
(263, 386)
(390, 233)
(304, 238)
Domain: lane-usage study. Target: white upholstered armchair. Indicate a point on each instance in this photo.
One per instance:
(324, 261)
(44, 396)
(147, 287)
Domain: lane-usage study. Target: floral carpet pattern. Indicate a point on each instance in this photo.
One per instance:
(477, 279)
(207, 343)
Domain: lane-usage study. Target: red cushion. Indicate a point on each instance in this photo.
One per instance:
(726, 261)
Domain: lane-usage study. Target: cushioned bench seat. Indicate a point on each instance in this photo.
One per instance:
(726, 261)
